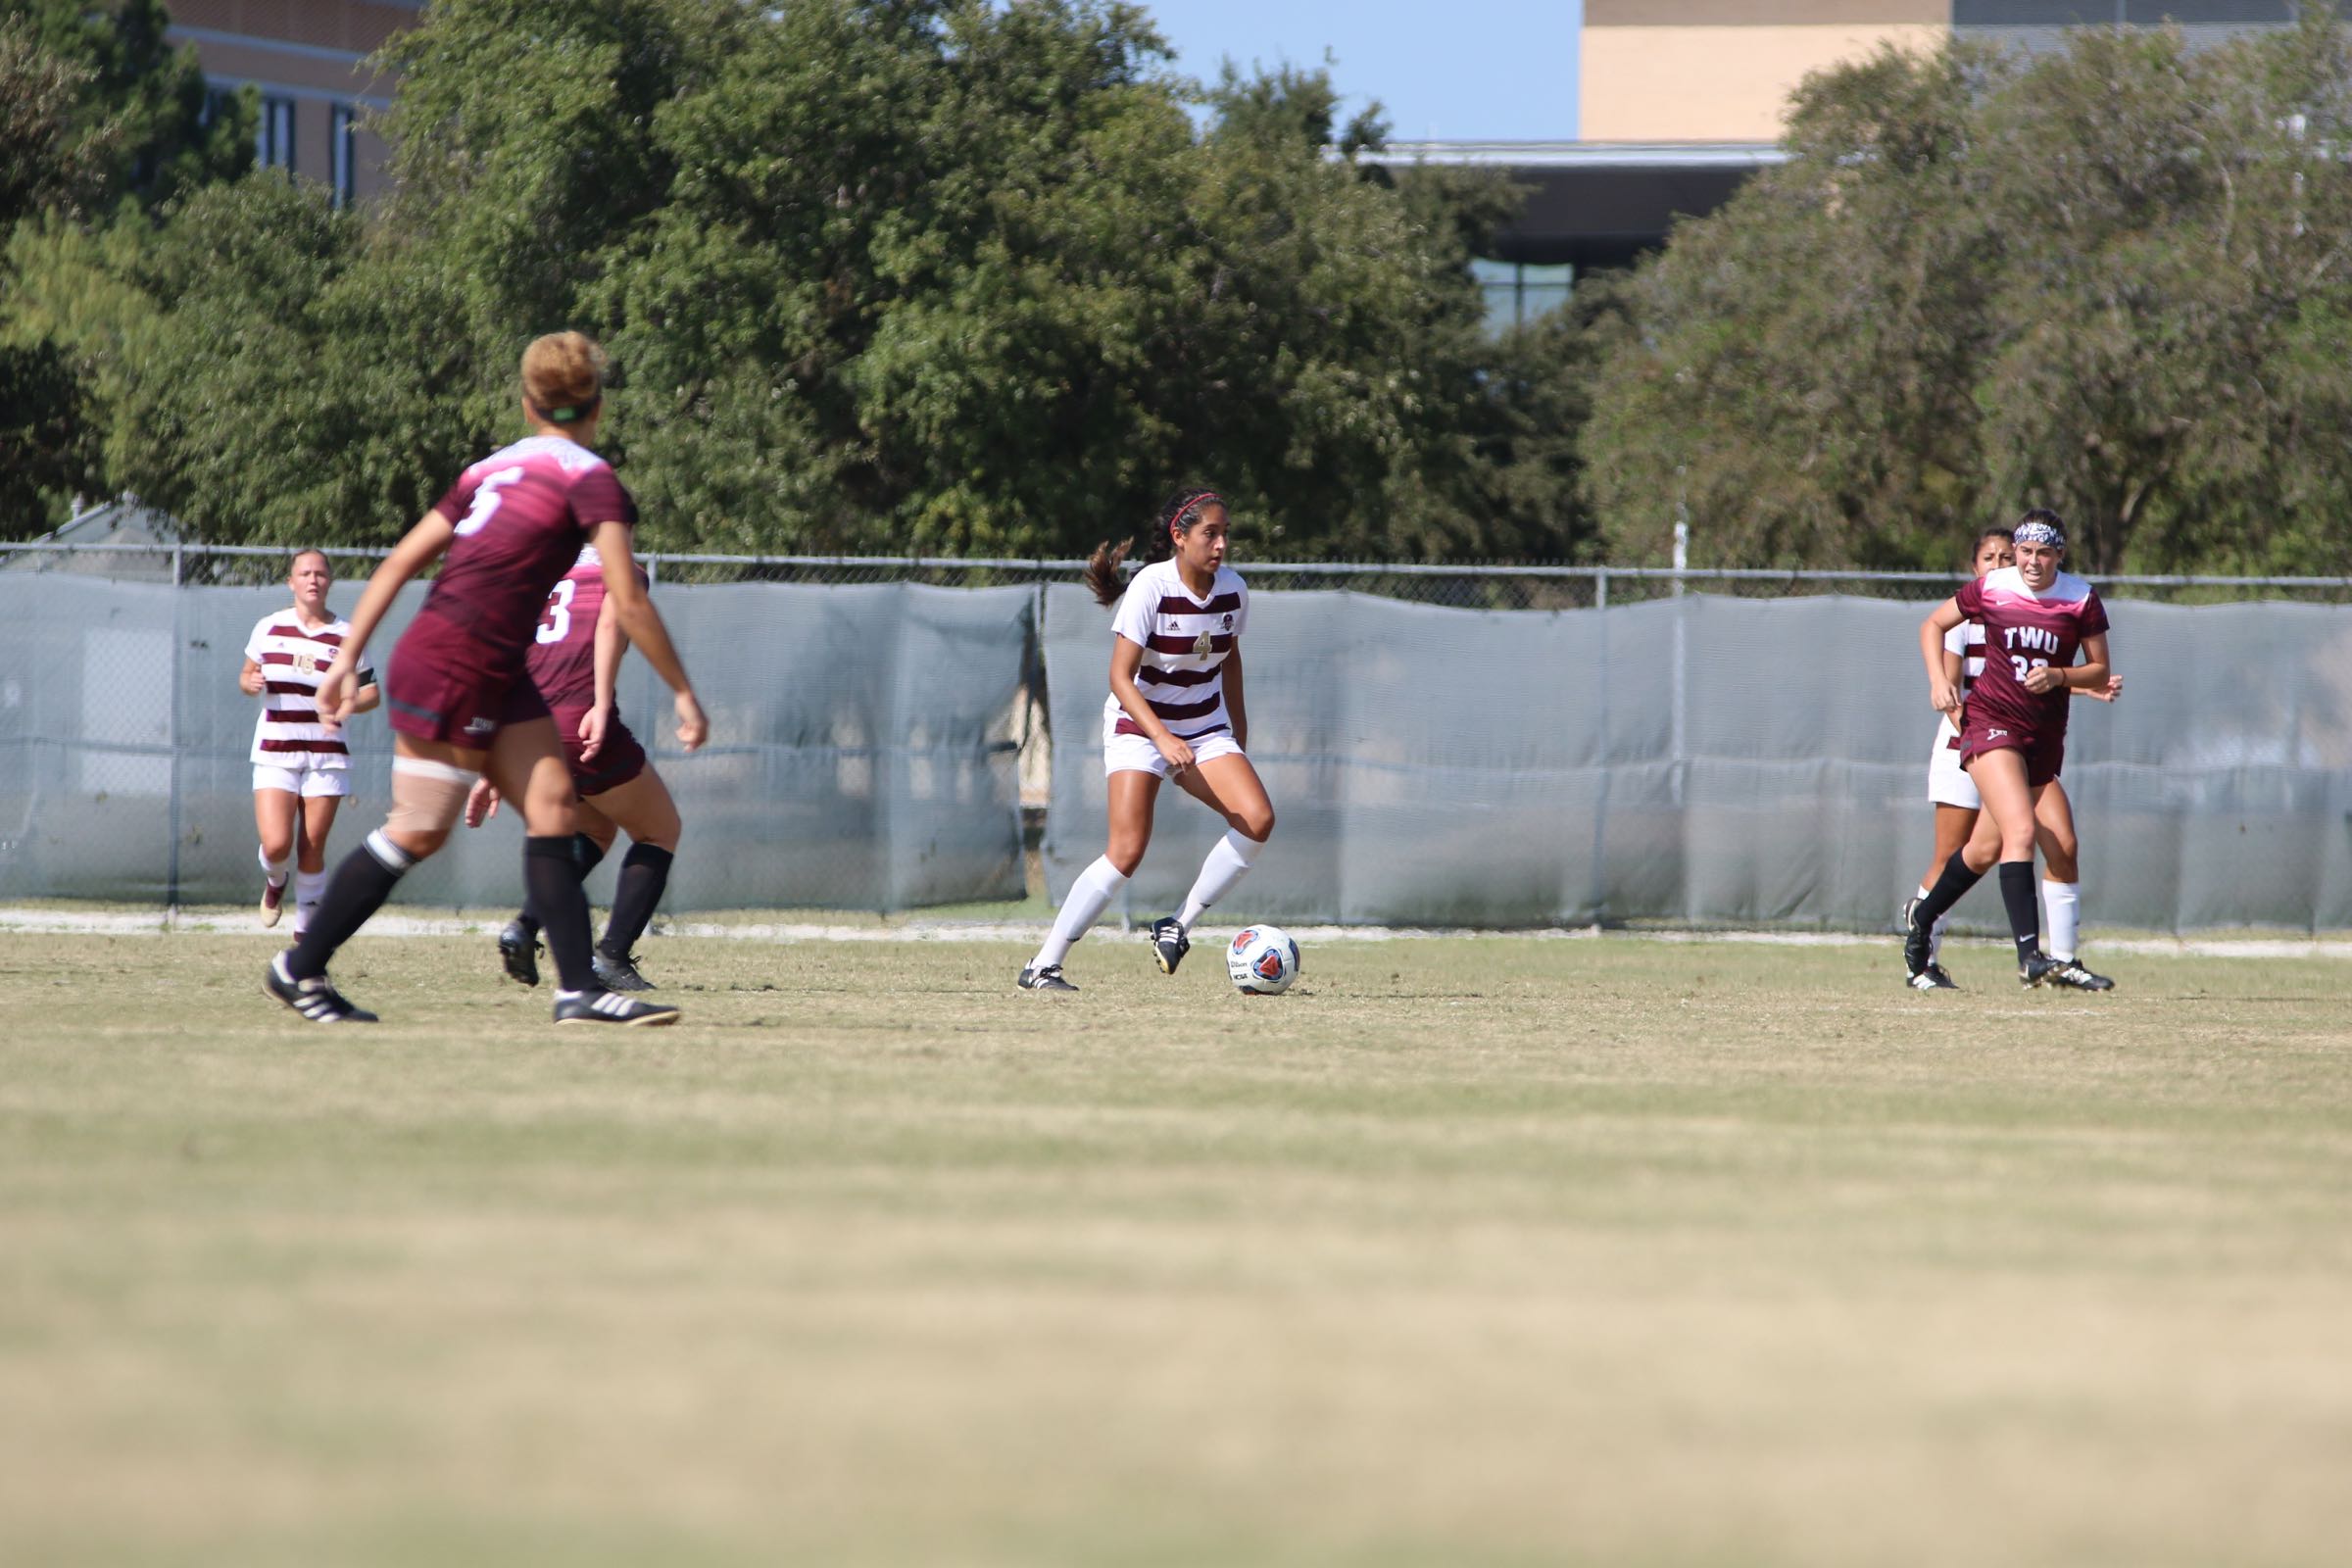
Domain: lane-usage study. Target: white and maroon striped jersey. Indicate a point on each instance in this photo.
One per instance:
(1186, 642)
(293, 663)
(1967, 640)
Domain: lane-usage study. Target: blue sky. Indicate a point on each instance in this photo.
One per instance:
(1454, 69)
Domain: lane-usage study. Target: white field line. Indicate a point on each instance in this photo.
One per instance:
(67, 922)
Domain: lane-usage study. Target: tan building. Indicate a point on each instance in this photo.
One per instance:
(1720, 70)
(308, 58)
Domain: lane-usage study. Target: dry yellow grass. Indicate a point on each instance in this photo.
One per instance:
(1472, 1251)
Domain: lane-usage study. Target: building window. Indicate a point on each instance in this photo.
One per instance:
(342, 151)
(1517, 293)
(274, 137)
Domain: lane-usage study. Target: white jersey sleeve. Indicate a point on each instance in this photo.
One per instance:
(259, 640)
(1132, 620)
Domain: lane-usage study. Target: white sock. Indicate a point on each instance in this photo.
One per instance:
(2061, 903)
(1227, 862)
(1089, 896)
(309, 887)
(1935, 932)
(274, 870)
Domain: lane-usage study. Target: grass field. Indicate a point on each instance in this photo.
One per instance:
(1500, 1251)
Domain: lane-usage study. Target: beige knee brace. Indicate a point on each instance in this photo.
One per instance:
(426, 797)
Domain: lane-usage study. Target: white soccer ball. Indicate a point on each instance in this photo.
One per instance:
(1262, 962)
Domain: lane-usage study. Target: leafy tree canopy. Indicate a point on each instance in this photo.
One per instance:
(2114, 280)
(876, 276)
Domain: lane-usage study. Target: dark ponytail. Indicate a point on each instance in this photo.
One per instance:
(1159, 542)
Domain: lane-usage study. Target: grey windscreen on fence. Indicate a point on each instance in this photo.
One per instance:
(1715, 759)
(862, 750)
(1700, 759)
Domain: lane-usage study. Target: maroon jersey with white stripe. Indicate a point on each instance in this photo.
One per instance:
(294, 660)
(1186, 641)
(522, 515)
(2022, 631)
(563, 662)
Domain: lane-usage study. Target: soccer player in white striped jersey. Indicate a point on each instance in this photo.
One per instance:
(1176, 711)
(301, 769)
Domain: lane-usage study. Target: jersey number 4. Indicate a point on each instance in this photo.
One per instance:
(556, 623)
(485, 500)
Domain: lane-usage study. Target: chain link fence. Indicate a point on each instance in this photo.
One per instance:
(1487, 585)
(884, 740)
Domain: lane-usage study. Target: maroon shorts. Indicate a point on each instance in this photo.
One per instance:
(444, 700)
(619, 759)
(2045, 753)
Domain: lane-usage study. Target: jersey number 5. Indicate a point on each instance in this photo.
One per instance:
(486, 500)
(556, 624)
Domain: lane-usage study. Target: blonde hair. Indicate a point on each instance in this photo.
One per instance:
(562, 376)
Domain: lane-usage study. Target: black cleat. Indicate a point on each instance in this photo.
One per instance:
(2072, 974)
(1918, 943)
(1932, 978)
(518, 950)
(2036, 968)
(618, 974)
(315, 998)
(1048, 978)
(611, 1006)
(1169, 944)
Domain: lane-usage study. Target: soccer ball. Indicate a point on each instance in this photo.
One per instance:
(1262, 962)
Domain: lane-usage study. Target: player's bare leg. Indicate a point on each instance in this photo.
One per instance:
(430, 781)
(518, 940)
(526, 766)
(1229, 787)
(2061, 888)
(644, 809)
(1966, 867)
(1954, 827)
(2001, 778)
(273, 812)
(1132, 797)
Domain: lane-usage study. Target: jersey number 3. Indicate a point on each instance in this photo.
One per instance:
(556, 623)
(485, 500)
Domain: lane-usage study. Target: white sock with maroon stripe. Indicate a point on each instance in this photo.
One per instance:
(1088, 897)
(2061, 903)
(1227, 862)
(309, 885)
(274, 870)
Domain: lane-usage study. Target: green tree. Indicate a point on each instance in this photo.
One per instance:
(165, 132)
(2104, 281)
(917, 276)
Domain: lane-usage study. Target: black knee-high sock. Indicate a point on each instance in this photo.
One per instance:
(644, 873)
(2024, 909)
(552, 879)
(356, 890)
(587, 853)
(1955, 881)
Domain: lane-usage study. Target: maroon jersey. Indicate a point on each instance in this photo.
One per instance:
(562, 658)
(2022, 631)
(522, 515)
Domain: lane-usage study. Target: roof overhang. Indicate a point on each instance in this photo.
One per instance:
(1596, 204)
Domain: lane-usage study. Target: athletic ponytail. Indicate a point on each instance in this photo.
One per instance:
(1159, 542)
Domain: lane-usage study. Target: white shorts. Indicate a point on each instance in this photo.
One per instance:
(1949, 783)
(1135, 754)
(309, 783)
